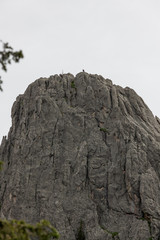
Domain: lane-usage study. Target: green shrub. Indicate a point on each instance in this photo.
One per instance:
(114, 234)
(19, 230)
(73, 84)
(104, 130)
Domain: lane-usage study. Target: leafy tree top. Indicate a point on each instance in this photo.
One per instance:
(7, 56)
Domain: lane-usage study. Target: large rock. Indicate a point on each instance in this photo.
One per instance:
(84, 154)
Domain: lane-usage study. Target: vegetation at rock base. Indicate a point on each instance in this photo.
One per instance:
(19, 230)
(7, 56)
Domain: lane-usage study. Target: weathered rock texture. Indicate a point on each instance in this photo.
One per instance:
(84, 154)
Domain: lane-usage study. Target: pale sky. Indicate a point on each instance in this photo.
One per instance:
(118, 39)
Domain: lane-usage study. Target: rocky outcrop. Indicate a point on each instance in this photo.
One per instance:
(84, 154)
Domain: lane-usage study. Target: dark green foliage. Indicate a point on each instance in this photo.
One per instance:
(80, 233)
(73, 84)
(114, 234)
(19, 230)
(7, 56)
(1, 164)
(104, 130)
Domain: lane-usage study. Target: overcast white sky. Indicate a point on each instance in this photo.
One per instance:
(118, 39)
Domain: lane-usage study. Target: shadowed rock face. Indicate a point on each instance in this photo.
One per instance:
(84, 154)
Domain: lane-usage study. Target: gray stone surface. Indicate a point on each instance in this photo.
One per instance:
(83, 152)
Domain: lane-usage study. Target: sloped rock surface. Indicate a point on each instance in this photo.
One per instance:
(84, 154)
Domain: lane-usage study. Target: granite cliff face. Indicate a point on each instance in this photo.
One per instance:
(84, 154)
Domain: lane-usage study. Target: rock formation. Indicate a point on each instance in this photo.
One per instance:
(84, 154)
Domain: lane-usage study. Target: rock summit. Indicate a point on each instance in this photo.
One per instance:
(84, 154)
